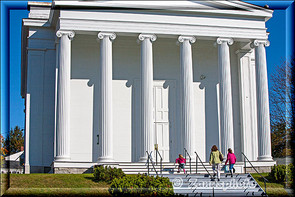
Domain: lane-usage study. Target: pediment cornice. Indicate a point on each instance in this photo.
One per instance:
(214, 6)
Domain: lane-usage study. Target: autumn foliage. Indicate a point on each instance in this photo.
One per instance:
(4, 151)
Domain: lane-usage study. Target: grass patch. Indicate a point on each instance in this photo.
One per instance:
(54, 181)
(56, 185)
(272, 187)
(3, 183)
(57, 192)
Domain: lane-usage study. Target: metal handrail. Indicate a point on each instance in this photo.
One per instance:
(197, 157)
(190, 160)
(149, 158)
(161, 160)
(264, 179)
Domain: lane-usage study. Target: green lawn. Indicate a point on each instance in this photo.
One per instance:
(84, 185)
(272, 188)
(3, 185)
(56, 185)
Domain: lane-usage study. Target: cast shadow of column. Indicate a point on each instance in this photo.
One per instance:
(211, 115)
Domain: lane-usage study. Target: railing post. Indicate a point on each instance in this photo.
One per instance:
(245, 170)
(190, 165)
(148, 162)
(161, 167)
(197, 156)
(196, 165)
(190, 159)
(264, 179)
(156, 157)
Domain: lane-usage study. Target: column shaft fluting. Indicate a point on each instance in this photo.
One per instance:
(63, 97)
(187, 93)
(147, 123)
(264, 139)
(225, 95)
(106, 110)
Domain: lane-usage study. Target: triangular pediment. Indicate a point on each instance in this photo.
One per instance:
(214, 6)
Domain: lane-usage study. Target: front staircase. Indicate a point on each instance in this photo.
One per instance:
(198, 180)
(200, 183)
(204, 185)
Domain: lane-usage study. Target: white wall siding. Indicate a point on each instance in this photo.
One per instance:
(41, 68)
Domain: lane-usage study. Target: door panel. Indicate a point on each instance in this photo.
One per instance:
(162, 139)
(161, 104)
(161, 119)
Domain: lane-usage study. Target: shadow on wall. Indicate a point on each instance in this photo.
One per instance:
(206, 73)
(211, 116)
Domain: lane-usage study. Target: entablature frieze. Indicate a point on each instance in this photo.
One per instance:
(174, 29)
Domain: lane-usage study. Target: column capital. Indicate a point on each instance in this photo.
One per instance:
(229, 41)
(256, 43)
(70, 34)
(110, 35)
(152, 37)
(191, 39)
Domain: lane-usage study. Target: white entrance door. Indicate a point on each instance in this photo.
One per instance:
(161, 119)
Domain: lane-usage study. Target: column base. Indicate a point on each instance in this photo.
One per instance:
(105, 159)
(265, 158)
(62, 158)
(27, 169)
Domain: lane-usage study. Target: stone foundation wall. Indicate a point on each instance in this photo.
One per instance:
(72, 170)
(260, 169)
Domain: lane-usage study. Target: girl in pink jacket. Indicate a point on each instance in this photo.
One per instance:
(181, 163)
(231, 158)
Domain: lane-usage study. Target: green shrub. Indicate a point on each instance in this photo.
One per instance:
(282, 173)
(107, 174)
(290, 173)
(141, 185)
(278, 173)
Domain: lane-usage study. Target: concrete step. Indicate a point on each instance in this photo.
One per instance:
(222, 175)
(203, 185)
(141, 167)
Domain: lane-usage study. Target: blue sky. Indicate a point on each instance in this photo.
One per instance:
(278, 26)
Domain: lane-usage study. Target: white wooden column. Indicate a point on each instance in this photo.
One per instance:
(63, 96)
(106, 109)
(187, 94)
(225, 95)
(147, 124)
(263, 122)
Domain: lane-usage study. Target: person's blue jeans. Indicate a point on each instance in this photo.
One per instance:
(231, 169)
(231, 166)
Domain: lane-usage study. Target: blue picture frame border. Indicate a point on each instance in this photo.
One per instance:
(7, 5)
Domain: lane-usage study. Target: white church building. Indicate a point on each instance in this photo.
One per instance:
(105, 82)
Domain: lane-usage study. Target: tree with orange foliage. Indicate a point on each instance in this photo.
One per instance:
(3, 150)
(14, 141)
